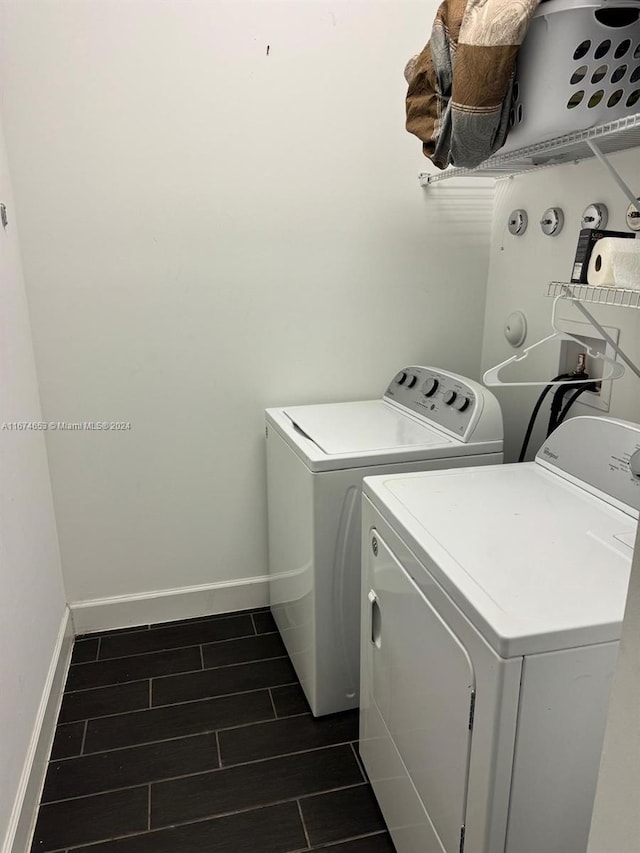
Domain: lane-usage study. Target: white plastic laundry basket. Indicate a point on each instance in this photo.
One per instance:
(579, 66)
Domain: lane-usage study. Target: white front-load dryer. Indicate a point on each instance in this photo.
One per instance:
(492, 604)
(317, 456)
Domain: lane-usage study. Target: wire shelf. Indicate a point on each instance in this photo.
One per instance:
(619, 296)
(613, 136)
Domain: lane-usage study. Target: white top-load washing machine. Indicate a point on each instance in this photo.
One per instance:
(492, 604)
(317, 456)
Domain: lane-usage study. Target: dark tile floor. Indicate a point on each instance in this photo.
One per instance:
(195, 736)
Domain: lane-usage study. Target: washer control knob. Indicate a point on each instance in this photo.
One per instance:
(401, 378)
(462, 403)
(450, 398)
(430, 387)
(411, 381)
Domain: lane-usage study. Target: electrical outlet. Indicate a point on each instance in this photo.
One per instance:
(570, 350)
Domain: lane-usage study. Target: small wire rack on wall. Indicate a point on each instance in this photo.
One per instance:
(619, 296)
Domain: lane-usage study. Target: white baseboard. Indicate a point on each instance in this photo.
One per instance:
(25, 809)
(166, 605)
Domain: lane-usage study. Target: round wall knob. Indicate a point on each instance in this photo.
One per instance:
(518, 221)
(595, 216)
(552, 221)
(633, 216)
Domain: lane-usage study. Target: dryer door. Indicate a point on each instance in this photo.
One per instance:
(422, 684)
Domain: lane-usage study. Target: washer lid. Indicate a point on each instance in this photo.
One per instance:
(361, 427)
(534, 561)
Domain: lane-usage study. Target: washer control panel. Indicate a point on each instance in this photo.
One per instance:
(443, 398)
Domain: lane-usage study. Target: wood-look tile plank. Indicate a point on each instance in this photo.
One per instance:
(103, 701)
(67, 740)
(251, 785)
(85, 650)
(121, 670)
(289, 700)
(217, 682)
(266, 830)
(121, 768)
(264, 622)
(339, 815)
(176, 636)
(177, 720)
(282, 736)
(243, 650)
(88, 819)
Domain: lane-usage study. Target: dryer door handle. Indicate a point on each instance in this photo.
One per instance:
(375, 619)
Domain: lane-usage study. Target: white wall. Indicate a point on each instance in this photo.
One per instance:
(209, 229)
(520, 269)
(32, 600)
(616, 816)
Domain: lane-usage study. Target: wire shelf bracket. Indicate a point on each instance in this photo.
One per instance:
(616, 177)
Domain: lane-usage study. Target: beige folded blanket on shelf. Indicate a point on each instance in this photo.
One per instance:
(460, 84)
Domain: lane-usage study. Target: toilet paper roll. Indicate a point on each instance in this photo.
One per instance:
(615, 262)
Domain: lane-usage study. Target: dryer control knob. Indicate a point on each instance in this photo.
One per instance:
(450, 398)
(430, 387)
(462, 403)
(401, 378)
(411, 381)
